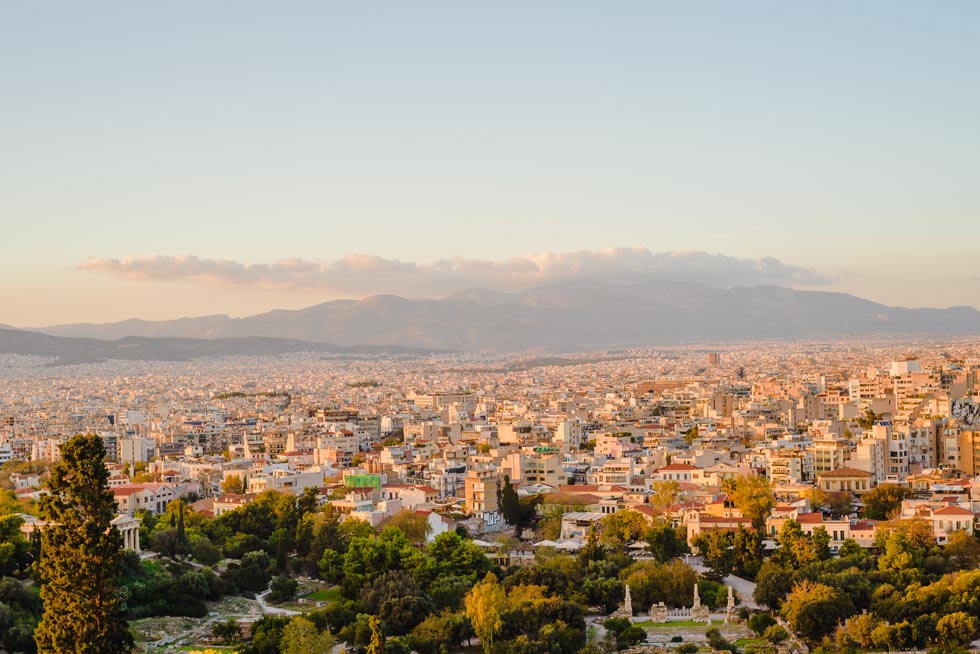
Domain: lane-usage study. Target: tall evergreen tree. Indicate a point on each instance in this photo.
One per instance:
(181, 532)
(80, 556)
(516, 511)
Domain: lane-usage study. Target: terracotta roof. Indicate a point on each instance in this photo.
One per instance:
(646, 510)
(846, 472)
(952, 510)
(125, 490)
(579, 498)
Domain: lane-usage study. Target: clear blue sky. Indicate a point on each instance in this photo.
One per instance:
(838, 136)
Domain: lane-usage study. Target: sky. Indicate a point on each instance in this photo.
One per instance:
(160, 160)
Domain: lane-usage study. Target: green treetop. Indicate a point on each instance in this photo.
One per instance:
(80, 556)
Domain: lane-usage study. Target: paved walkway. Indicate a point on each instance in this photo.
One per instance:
(743, 587)
(260, 598)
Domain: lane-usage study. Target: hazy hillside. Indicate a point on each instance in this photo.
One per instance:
(566, 316)
(138, 348)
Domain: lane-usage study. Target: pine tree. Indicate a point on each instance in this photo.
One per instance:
(80, 556)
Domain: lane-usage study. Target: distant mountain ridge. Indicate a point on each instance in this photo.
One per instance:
(564, 317)
(73, 350)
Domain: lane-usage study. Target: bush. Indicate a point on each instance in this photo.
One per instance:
(718, 643)
(776, 634)
(283, 589)
(687, 648)
(759, 622)
(204, 552)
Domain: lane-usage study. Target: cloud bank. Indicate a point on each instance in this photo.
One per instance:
(362, 274)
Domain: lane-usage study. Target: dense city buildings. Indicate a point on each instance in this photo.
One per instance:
(441, 434)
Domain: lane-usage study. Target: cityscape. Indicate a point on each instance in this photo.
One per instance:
(515, 328)
(856, 449)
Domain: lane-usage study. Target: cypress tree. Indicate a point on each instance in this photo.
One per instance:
(181, 533)
(80, 556)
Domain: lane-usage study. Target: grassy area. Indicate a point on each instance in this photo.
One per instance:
(590, 633)
(647, 624)
(326, 595)
(742, 642)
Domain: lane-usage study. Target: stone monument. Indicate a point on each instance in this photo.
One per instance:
(626, 610)
(658, 612)
(699, 613)
(730, 608)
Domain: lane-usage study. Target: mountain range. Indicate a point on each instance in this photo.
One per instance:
(74, 350)
(563, 317)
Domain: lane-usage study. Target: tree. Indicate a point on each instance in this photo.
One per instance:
(748, 552)
(15, 550)
(228, 631)
(377, 644)
(773, 584)
(650, 582)
(761, 621)
(484, 604)
(549, 522)
(796, 548)
(957, 628)
(962, 550)
(80, 556)
(884, 501)
(776, 634)
(821, 543)
(664, 542)
(301, 636)
(717, 642)
(817, 497)
(857, 631)
(839, 503)
(433, 634)
(893, 636)
(592, 549)
(813, 609)
(664, 494)
(517, 511)
(627, 634)
(622, 528)
(267, 634)
(414, 525)
(204, 552)
(869, 418)
(233, 485)
(753, 497)
(283, 589)
(715, 548)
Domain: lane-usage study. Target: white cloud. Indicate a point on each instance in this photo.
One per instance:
(363, 274)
